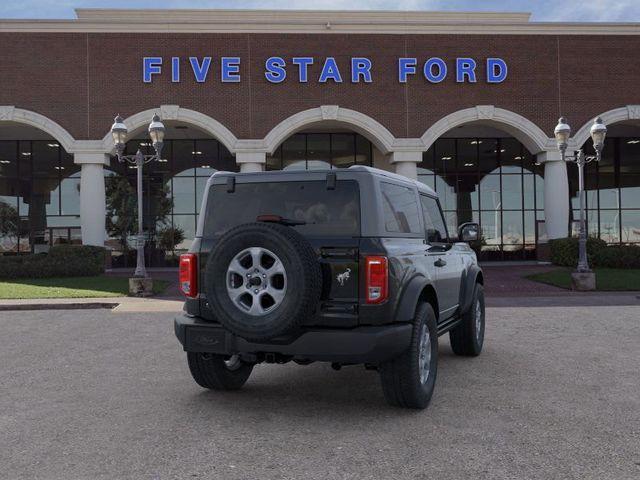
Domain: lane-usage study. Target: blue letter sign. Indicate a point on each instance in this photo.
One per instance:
(406, 66)
(200, 71)
(428, 70)
(330, 71)
(360, 67)
(434, 69)
(275, 69)
(303, 66)
(230, 70)
(465, 67)
(151, 66)
(496, 70)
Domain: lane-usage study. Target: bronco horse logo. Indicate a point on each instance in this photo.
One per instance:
(343, 277)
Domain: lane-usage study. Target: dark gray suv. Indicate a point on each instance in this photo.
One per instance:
(350, 266)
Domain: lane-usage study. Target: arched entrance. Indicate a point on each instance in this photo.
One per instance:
(327, 137)
(39, 184)
(483, 174)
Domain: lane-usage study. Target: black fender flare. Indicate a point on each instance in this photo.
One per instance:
(406, 307)
(467, 285)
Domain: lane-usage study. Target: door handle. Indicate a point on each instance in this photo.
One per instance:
(440, 262)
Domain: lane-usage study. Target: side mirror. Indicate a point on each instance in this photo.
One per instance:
(469, 232)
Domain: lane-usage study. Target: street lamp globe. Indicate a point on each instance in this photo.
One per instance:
(562, 133)
(119, 133)
(598, 133)
(156, 132)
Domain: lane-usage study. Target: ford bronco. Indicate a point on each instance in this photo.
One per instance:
(349, 266)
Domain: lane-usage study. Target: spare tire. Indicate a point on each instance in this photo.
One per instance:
(262, 280)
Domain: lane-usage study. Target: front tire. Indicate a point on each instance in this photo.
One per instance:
(408, 380)
(468, 337)
(218, 372)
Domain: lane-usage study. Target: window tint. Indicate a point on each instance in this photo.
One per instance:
(320, 211)
(434, 224)
(401, 212)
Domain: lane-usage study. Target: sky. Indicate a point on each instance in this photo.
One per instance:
(542, 10)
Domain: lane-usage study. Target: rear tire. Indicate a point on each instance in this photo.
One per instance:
(218, 372)
(468, 337)
(404, 382)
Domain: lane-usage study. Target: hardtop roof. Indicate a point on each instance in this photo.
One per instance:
(359, 169)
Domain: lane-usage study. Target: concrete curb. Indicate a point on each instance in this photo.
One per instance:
(57, 306)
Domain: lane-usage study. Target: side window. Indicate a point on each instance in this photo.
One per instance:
(433, 221)
(401, 211)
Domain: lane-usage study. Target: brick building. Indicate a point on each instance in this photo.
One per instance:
(465, 102)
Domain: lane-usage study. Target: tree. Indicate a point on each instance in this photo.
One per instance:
(9, 221)
(169, 237)
(122, 209)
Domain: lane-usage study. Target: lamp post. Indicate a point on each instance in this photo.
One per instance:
(156, 132)
(562, 133)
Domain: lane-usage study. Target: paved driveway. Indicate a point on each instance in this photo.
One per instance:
(96, 394)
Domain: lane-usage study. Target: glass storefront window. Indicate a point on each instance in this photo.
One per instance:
(512, 192)
(320, 151)
(8, 159)
(512, 229)
(39, 195)
(612, 187)
(70, 195)
(488, 159)
(630, 223)
(511, 156)
(493, 181)
(445, 155)
(610, 226)
(183, 190)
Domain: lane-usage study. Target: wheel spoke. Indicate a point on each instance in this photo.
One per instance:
(235, 267)
(256, 308)
(256, 256)
(234, 293)
(276, 269)
(277, 295)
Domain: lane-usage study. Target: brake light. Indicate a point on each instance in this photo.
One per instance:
(189, 275)
(377, 279)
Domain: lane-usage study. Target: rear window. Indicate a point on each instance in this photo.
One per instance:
(324, 212)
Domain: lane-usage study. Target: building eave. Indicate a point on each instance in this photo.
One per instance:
(312, 22)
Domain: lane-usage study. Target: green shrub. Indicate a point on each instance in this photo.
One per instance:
(618, 256)
(61, 261)
(564, 251)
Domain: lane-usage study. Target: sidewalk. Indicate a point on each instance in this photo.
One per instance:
(117, 304)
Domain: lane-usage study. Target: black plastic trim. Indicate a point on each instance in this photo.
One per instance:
(372, 345)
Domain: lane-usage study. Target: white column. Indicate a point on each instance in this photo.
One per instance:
(406, 163)
(92, 197)
(556, 194)
(251, 161)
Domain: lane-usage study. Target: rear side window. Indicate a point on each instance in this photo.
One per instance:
(320, 211)
(400, 209)
(434, 223)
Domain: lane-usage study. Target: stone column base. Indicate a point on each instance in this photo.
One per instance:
(583, 281)
(141, 287)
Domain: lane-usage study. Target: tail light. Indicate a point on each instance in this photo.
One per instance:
(377, 279)
(189, 275)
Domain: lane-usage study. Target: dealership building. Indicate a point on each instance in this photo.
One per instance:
(464, 102)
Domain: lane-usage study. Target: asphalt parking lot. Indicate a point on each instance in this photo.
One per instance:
(95, 394)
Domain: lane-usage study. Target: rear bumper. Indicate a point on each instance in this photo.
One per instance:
(356, 345)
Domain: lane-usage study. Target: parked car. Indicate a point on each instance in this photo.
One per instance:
(350, 266)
